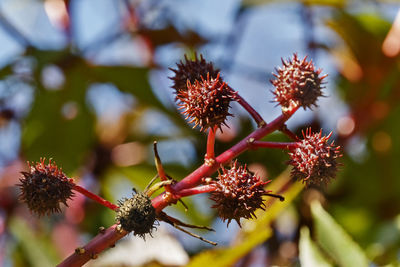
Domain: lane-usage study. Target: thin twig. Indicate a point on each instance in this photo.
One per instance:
(95, 197)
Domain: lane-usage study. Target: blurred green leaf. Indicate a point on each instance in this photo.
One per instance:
(335, 3)
(309, 254)
(335, 241)
(171, 35)
(128, 79)
(38, 250)
(60, 125)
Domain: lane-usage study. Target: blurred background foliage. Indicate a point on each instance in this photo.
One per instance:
(86, 83)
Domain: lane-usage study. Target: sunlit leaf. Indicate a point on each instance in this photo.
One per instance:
(335, 241)
(309, 254)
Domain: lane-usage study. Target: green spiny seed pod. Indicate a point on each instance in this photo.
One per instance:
(314, 160)
(239, 193)
(206, 102)
(136, 214)
(191, 70)
(44, 187)
(297, 83)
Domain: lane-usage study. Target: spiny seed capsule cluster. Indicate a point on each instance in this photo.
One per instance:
(206, 102)
(44, 187)
(297, 83)
(136, 214)
(314, 159)
(238, 194)
(191, 70)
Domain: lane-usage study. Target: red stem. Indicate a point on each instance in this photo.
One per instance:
(103, 241)
(205, 170)
(284, 129)
(211, 143)
(99, 243)
(195, 190)
(95, 197)
(256, 116)
(280, 145)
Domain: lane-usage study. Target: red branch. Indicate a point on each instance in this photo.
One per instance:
(284, 129)
(195, 190)
(99, 243)
(95, 197)
(103, 241)
(211, 143)
(256, 116)
(280, 145)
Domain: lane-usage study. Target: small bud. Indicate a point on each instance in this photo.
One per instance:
(314, 160)
(239, 193)
(297, 83)
(136, 214)
(44, 187)
(191, 70)
(206, 102)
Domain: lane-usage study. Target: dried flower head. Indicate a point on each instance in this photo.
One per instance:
(314, 159)
(297, 83)
(44, 187)
(136, 214)
(206, 102)
(191, 70)
(239, 193)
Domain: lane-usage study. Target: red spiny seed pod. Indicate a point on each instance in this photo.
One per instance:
(44, 187)
(297, 83)
(191, 70)
(206, 102)
(239, 193)
(136, 214)
(314, 160)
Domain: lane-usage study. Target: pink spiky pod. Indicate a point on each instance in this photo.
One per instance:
(314, 160)
(45, 187)
(297, 83)
(206, 102)
(191, 70)
(239, 193)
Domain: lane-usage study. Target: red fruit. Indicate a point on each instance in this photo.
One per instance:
(239, 193)
(297, 83)
(314, 160)
(45, 187)
(206, 102)
(191, 70)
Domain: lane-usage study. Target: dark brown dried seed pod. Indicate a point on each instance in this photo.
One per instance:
(44, 187)
(206, 102)
(191, 70)
(239, 193)
(314, 160)
(136, 214)
(297, 83)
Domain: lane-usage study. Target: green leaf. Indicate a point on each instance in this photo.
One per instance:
(49, 133)
(336, 3)
(128, 79)
(38, 250)
(309, 254)
(228, 256)
(335, 241)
